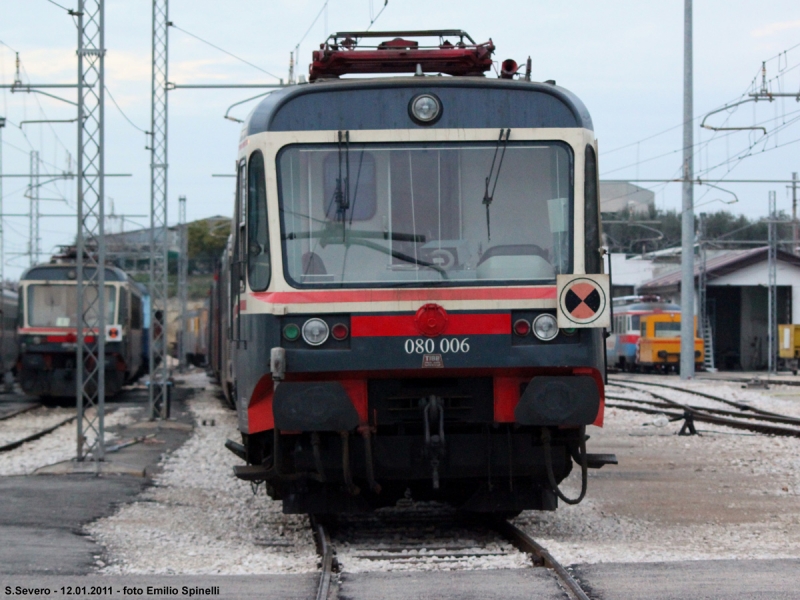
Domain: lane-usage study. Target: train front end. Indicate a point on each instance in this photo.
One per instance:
(47, 331)
(417, 305)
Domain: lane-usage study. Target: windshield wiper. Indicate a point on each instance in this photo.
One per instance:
(330, 232)
(342, 194)
(487, 197)
(330, 235)
(399, 256)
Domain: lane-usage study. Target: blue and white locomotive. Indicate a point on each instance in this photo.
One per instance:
(416, 300)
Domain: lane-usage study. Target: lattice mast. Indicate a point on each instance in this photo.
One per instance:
(90, 283)
(159, 373)
(34, 240)
(183, 281)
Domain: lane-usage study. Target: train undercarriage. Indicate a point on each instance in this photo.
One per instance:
(428, 440)
(52, 374)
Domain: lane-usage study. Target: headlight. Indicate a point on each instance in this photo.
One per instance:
(315, 332)
(425, 109)
(36, 340)
(545, 327)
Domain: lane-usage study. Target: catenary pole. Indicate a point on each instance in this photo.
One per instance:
(183, 281)
(794, 213)
(2, 238)
(33, 195)
(159, 242)
(2, 246)
(90, 271)
(687, 224)
(772, 287)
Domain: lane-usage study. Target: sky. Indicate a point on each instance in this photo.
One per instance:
(623, 58)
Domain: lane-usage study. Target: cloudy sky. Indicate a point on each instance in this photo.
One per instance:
(623, 58)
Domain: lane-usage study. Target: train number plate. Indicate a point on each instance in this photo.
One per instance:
(443, 345)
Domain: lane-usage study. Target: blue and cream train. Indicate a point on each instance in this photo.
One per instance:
(47, 330)
(415, 302)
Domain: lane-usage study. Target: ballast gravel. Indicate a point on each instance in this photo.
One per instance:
(55, 447)
(198, 518)
(433, 557)
(726, 494)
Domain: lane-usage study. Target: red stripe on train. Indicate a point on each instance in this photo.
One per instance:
(405, 325)
(401, 295)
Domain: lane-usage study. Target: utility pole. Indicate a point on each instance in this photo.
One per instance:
(183, 281)
(794, 213)
(702, 281)
(33, 196)
(687, 225)
(2, 237)
(91, 322)
(2, 253)
(159, 243)
(772, 291)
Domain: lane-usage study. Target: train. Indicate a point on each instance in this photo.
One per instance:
(9, 347)
(47, 330)
(412, 302)
(195, 336)
(219, 348)
(646, 336)
(789, 347)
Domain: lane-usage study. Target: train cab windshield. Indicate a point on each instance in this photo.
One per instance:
(57, 305)
(667, 329)
(424, 214)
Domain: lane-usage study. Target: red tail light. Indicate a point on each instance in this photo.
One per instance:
(522, 327)
(340, 331)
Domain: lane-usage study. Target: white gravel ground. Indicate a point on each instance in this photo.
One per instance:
(766, 467)
(58, 446)
(199, 519)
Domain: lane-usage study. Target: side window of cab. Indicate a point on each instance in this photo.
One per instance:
(258, 261)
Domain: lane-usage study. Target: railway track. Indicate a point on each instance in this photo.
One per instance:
(30, 430)
(407, 538)
(746, 417)
(13, 412)
(35, 435)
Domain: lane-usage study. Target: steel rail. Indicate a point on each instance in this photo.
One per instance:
(36, 436)
(714, 411)
(325, 550)
(756, 380)
(19, 411)
(540, 556)
(739, 405)
(724, 420)
(704, 417)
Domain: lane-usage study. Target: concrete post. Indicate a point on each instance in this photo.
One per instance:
(687, 237)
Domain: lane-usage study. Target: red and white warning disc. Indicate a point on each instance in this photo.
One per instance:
(583, 301)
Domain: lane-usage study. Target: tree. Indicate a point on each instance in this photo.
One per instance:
(207, 240)
(634, 233)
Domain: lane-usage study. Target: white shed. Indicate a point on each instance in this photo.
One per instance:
(737, 301)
